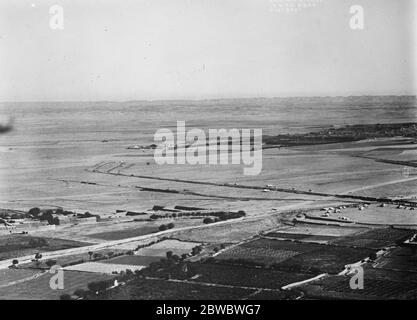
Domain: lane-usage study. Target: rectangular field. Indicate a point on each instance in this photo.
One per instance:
(133, 260)
(147, 289)
(338, 287)
(375, 238)
(160, 249)
(328, 259)
(262, 256)
(8, 276)
(123, 234)
(12, 246)
(103, 268)
(39, 288)
(245, 276)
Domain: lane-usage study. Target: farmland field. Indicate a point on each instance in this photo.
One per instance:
(267, 252)
(102, 268)
(232, 233)
(19, 245)
(265, 256)
(328, 259)
(39, 288)
(399, 259)
(282, 245)
(146, 289)
(376, 238)
(338, 287)
(10, 275)
(301, 237)
(133, 260)
(123, 234)
(245, 276)
(161, 248)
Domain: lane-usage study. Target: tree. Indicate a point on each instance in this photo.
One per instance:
(50, 263)
(15, 262)
(97, 286)
(38, 256)
(90, 254)
(81, 293)
(169, 254)
(34, 212)
(97, 255)
(176, 257)
(170, 225)
(54, 221)
(196, 250)
(162, 227)
(65, 296)
(207, 220)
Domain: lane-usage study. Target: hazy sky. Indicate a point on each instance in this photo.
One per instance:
(170, 49)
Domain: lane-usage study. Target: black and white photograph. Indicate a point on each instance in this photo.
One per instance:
(223, 151)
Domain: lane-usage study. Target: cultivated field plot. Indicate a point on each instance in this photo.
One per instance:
(161, 248)
(263, 256)
(103, 268)
(282, 245)
(266, 252)
(123, 234)
(8, 276)
(338, 287)
(293, 256)
(12, 246)
(232, 233)
(399, 259)
(245, 276)
(327, 259)
(300, 237)
(39, 288)
(320, 230)
(407, 189)
(133, 260)
(375, 238)
(146, 289)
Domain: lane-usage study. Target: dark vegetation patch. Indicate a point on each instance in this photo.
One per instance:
(156, 289)
(12, 246)
(124, 234)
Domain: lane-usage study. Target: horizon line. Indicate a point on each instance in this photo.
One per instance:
(214, 99)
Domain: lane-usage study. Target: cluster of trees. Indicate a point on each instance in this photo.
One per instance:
(97, 287)
(95, 256)
(8, 215)
(172, 266)
(48, 215)
(164, 227)
(94, 288)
